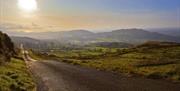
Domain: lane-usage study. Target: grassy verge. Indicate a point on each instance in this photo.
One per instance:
(14, 76)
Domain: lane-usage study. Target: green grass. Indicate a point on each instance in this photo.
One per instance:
(14, 76)
(89, 53)
(36, 56)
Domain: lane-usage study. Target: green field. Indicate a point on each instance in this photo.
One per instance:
(151, 60)
(14, 76)
(88, 53)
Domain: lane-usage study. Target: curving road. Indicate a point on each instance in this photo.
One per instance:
(57, 76)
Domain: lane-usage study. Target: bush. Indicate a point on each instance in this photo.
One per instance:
(6, 48)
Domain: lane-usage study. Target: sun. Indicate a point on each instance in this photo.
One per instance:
(27, 5)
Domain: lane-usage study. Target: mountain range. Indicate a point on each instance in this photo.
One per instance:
(133, 36)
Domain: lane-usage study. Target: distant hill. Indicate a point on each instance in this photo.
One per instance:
(28, 42)
(76, 36)
(167, 31)
(121, 35)
(24, 39)
(136, 36)
(37, 44)
(83, 37)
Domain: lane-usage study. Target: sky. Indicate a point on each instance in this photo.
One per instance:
(57, 15)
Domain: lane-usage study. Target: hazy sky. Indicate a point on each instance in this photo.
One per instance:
(94, 14)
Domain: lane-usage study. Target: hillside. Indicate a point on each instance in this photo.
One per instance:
(136, 36)
(26, 41)
(84, 37)
(32, 43)
(36, 44)
(157, 60)
(14, 74)
(121, 35)
(167, 31)
(6, 48)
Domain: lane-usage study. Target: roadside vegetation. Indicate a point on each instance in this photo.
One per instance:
(14, 75)
(157, 60)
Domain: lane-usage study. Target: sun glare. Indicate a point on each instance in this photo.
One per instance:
(27, 5)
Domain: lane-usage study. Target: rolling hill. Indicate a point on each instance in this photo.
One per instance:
(136, 36)
(84, 37)
(167, 31)
(121, 35)
(29, 43)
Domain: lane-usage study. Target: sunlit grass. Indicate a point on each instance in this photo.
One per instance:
(14, 76)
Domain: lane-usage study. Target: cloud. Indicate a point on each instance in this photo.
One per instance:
(26, 28)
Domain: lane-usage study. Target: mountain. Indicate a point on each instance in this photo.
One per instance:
(136, 36)
(24, 39)
(121, 35)
(37, 44)
(28, 42)
(167, 31)
(83, 37)
(76, 36)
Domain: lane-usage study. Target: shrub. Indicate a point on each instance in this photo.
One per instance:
(6, 48)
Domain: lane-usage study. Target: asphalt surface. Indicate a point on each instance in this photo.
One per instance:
(58, 76)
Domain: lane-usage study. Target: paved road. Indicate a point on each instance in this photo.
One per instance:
(57, 76)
